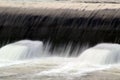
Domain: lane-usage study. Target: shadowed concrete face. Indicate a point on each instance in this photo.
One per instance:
(60, 25)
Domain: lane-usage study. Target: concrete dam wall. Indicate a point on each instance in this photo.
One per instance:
(60, 25)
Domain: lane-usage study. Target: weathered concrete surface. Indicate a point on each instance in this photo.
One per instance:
(60, 22)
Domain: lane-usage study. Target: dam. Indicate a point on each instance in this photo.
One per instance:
(60, 25)
(63, 39)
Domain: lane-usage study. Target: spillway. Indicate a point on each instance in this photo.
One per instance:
(104, 53)
(59, 40)
(76, 22)
(32, 56)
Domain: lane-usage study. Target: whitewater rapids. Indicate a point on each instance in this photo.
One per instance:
(27, 60)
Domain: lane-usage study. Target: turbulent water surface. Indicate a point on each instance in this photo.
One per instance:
(34, 60)
(30, 60)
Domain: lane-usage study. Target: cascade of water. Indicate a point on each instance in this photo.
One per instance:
(27, 49)
(64, 50)
(24, 49)
(104, 53)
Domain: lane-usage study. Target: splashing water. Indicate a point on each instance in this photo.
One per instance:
(28, 56)
(21, 50)
(102, 54)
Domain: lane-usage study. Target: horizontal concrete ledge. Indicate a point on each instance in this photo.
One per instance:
(102, 10)
(60, 22)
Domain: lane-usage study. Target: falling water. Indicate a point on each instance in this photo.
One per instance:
(59, 43)
(27, 49)
(27, 53)
(21, 50)
(102, 54)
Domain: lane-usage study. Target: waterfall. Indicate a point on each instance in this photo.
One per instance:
(21, 50)
(36, 55)
(59, 39)
(28, 49)
(105, 53)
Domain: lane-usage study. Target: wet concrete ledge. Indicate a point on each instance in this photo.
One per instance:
(60, 25)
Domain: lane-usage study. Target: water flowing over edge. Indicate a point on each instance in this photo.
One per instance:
(25, 53)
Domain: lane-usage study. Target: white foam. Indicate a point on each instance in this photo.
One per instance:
(72, 68)
(21, 50)
(101, 54)
(100, 57)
